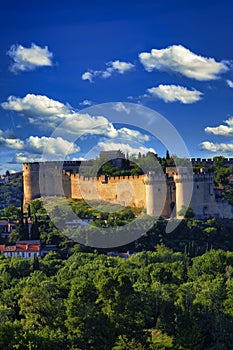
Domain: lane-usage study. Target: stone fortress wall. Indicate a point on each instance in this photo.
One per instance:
(124, 190)
(159, 195)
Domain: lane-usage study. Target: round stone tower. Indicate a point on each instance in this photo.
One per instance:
(184, 187)
(31, 181)
(156, 193)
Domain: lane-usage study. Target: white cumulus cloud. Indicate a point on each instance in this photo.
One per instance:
(217, 147)
(34, 144)
(11, 143)
(222, 130)
(177, 58)
(28, 59)
(25, 157)
(47, 113)
(38, 109)
(117, 66)
(54, 146)
(120, 66)
(172, 93)
(124, 147)
(84, 124)
(129, 134)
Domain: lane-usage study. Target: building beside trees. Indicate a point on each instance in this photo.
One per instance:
(23, 249)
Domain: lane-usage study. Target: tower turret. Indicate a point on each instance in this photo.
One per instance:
(156, 193)
(184, 186)
(31, 181)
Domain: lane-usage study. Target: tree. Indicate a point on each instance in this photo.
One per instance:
(88, 327)
(123, 343)
(41, 307)
(35, 233)
(187, 213)
(228, 195)
(23, 229)
(160, 341)
(14, 236)
(167, 155)
(11, 212)
(119, 302)
(29, 211)
(219, 161)
(35, 206)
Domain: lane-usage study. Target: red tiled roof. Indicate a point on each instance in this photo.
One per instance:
(27, 247)
(10, 248)
(34, 247)
(21, 247)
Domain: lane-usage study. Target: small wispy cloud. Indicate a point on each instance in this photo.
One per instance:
(88, 76)
(121, 107)
(28, 59)
(86, 103)
(117, 66)
(178, 59)
(172, 93)
(229, 83)
(8, 133)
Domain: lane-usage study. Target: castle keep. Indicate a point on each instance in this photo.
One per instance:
(159, 194)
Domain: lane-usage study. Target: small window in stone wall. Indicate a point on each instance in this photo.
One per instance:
(197, 186)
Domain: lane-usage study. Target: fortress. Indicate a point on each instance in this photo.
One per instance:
(160, 194)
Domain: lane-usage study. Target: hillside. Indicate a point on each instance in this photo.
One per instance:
(11, 190)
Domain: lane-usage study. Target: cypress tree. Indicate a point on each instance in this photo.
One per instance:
(35, 234)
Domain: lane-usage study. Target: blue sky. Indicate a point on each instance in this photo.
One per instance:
(58, 58)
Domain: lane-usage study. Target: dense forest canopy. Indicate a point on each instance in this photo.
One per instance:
(152, 300)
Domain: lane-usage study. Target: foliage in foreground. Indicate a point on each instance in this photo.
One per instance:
(153, 300)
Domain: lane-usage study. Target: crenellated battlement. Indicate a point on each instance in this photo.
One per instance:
(103, 178)
(208, 177)
(209, 161)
